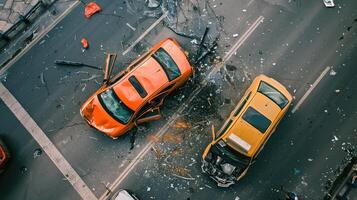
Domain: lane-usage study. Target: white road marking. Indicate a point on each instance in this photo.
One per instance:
(239, 42)
(53, 153)
(310, 89)
(177, 114)
(145, 33)
(41, 35)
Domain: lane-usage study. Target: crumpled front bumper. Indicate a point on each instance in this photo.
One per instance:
(222, 179)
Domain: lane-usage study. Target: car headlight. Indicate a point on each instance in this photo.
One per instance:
(228, 168)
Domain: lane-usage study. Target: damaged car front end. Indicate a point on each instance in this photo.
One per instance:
(223, 164)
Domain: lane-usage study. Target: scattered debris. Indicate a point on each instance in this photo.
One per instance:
(153, 3)
(335, 138)
(132, 139)
(84, 43)
(37, 153)
(23, 169)
(90, 78)
(3, 77)
(333, 72)
(231, 67)
(296, 171)
(91, 8)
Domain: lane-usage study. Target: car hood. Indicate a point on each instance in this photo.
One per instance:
(93, 112)
(221, 170)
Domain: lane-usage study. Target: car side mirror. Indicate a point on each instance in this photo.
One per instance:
(150, 115)
(108, 67)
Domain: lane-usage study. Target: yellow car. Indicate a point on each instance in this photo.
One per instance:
(236, 145)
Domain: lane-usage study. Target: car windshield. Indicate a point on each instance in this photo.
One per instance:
(226, 152)
(167, 63)
(256, 119)
(115, 107)
(273, 94)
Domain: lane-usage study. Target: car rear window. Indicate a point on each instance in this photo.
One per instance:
(115, 107)
(167, 63)
(256, 119)
(273, 94)
(138, 87)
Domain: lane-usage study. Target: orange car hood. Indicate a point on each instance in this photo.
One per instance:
(98, 118)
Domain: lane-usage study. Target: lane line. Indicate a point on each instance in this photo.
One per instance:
(145, 33)
(310, 89)
(236, 45)
(176, 115)
(53, 153)
(41, 35)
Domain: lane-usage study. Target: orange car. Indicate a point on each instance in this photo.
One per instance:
(134, 96)
(237, 144)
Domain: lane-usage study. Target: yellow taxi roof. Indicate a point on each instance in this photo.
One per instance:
(243, 136)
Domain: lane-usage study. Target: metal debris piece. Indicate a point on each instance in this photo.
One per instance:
(333, 72)
(131, 27)
(43, 81)
(77, 64)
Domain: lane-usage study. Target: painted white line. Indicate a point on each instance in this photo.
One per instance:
(41, 35)
(145, 33)
(53, 153)
(172, 119)
(236, 45)
(310, 89)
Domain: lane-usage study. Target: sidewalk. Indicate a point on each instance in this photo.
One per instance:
(22, 21)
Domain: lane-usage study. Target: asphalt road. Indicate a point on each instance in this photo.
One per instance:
(294, 44)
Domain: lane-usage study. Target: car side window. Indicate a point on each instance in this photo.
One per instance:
(143, 109)
(237, 111)
(225, 127)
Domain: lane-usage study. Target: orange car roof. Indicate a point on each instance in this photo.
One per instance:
(149, 74)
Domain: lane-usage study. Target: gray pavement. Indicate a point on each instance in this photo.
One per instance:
(296, 41)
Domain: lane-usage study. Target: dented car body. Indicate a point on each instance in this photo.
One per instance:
(134, 96)
(236, 145)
